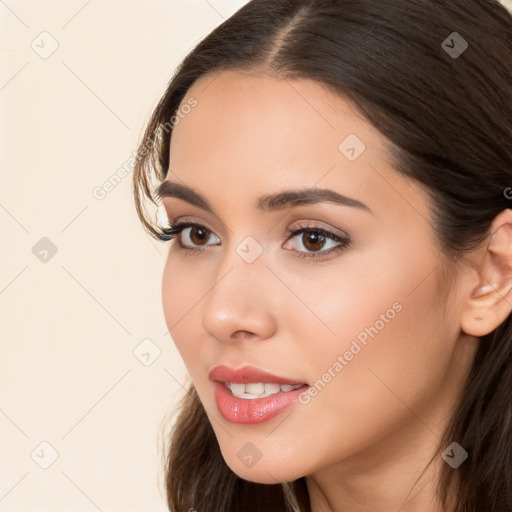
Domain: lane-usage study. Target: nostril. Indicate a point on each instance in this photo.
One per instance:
(241, 334)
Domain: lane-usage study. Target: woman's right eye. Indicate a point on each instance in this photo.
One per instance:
(196, 233)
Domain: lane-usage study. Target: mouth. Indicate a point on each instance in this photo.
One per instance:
(250, 395)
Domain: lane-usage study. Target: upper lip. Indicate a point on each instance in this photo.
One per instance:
(246, 375)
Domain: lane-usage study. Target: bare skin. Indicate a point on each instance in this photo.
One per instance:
(365, 438)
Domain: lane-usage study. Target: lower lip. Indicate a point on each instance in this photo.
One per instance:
(253, 410)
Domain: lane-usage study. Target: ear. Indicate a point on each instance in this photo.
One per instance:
(490, 300)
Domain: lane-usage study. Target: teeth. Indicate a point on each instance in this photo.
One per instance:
(270, 388)
(258, 389)
(237, 388)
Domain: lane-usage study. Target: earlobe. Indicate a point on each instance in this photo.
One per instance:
(490, 301)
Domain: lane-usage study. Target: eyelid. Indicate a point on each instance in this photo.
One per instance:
(193, 219)
(187, 218)
(313, 224)
(181, 221)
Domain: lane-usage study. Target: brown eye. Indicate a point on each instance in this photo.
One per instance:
(313, 240)
(199, 235)
(191, 236)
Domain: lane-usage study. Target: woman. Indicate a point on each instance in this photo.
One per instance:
(336, 176)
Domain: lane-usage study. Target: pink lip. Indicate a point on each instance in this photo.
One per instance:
(252, 411)
(245, 375)
(256, 410)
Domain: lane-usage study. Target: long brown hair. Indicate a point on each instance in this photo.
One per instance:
(444, 101)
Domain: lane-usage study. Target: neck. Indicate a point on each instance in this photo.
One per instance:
(398, 483)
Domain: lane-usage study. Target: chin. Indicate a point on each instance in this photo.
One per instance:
(264, 472)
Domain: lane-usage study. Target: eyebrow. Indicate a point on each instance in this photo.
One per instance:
(267, 203)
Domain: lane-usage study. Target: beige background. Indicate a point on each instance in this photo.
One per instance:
(70, 321)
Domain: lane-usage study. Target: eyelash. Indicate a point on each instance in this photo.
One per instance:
(175, 229)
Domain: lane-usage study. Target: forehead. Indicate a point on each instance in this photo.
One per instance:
(262, 104)
(249, 120)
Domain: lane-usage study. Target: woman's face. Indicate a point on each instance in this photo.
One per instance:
(356, 315)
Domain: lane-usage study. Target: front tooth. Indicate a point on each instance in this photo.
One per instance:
(255, 388)
(272, 388)
(237, 388)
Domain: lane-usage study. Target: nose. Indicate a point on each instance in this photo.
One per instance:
(242, 302)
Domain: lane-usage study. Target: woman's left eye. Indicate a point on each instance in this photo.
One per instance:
(315, 239)
(312, 243)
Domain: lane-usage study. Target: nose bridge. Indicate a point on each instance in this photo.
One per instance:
(240, 298)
